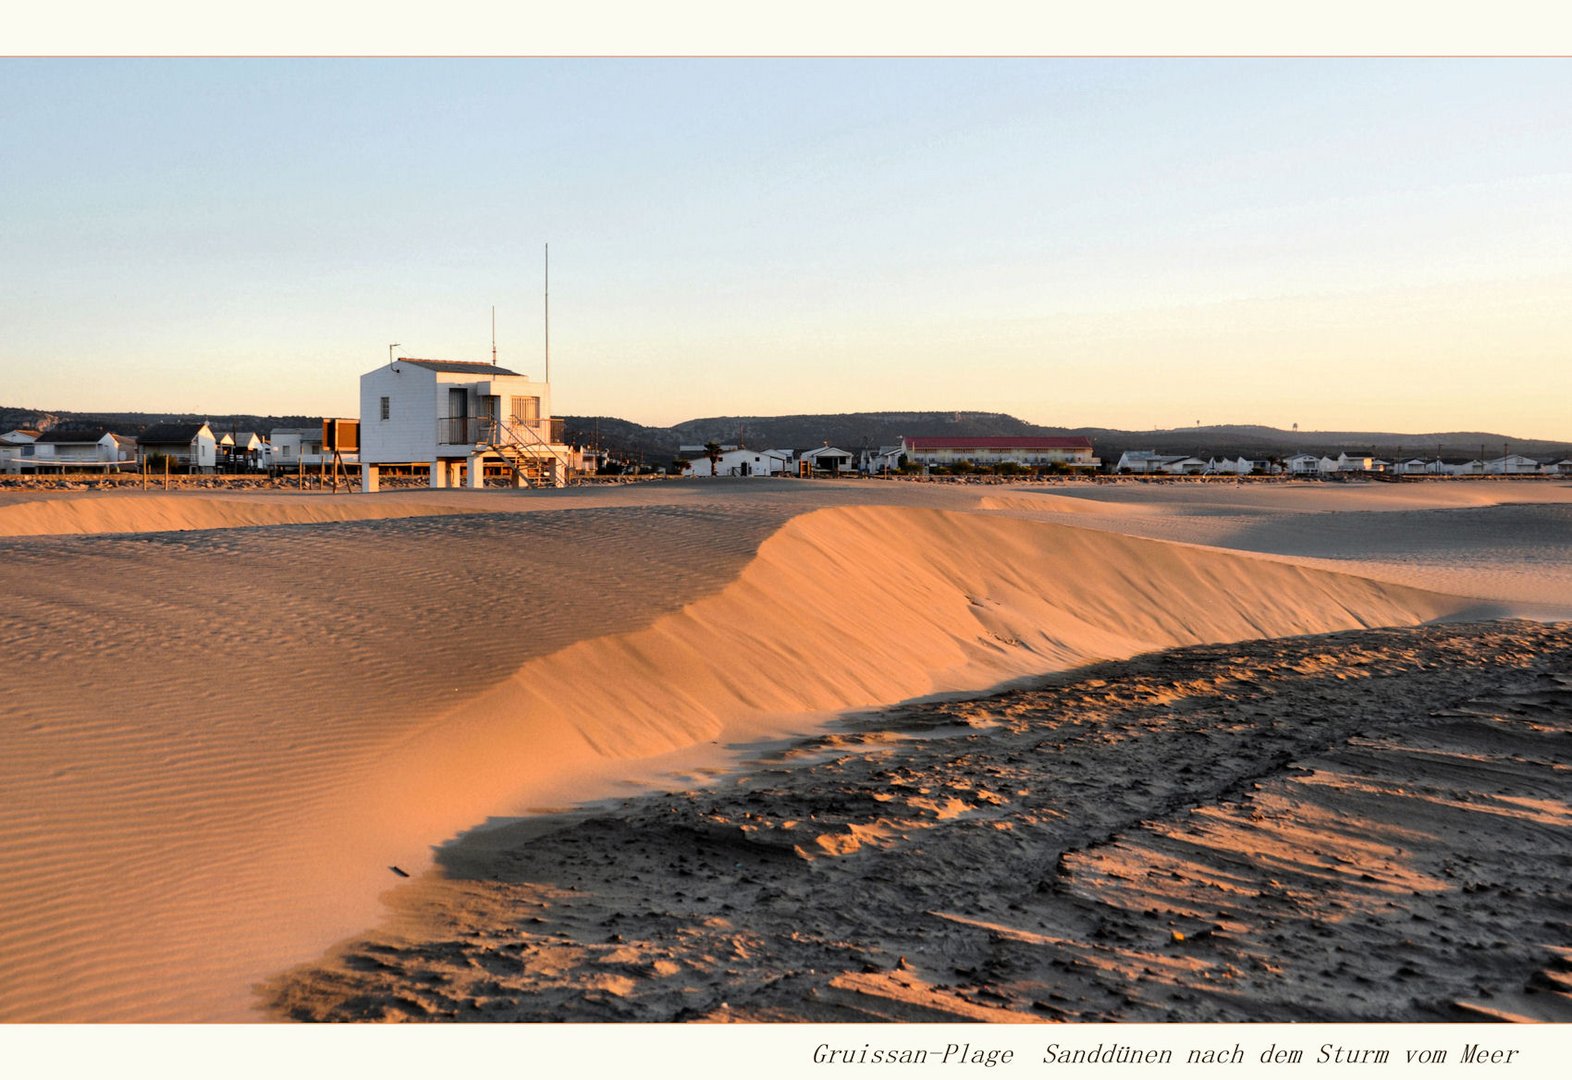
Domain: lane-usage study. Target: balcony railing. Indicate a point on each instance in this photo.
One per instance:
(487, 430)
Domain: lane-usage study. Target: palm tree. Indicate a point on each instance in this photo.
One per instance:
(713, 452)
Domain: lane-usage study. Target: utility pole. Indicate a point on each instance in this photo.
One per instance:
(548, 313)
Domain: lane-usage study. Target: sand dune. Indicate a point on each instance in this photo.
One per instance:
(1208, 497)
(1364, 826)
(1501, 540)
(220, 738)
(851, 608)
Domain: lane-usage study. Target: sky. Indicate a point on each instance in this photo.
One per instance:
(1341, 244)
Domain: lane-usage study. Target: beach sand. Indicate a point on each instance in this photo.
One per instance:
(1365, 826)
(228, 715)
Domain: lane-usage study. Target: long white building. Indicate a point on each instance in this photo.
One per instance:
(743, 462)
(1074, 452)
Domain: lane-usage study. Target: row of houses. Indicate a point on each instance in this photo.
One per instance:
(1506, 465)
(1151, 463)
(459, 419)
(188, 447)
(913, 450)
(1148, 462)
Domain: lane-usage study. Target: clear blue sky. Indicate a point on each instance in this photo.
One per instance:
(1127, 243)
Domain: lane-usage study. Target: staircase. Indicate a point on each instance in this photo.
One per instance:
(535, 461)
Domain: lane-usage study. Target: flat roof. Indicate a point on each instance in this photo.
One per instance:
(457, 367)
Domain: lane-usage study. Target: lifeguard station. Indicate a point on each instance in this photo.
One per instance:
(460, 418)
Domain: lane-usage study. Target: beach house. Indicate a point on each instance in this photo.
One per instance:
(828, 459)
(17, 447)
(1149, 462)
(1512, 465)
(78, 447)
(885, 459)
(189, 447)
(1240, 466)
(460, 418)
(292, 449)
(244, 451)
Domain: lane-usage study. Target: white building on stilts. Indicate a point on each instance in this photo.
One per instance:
(460, 419)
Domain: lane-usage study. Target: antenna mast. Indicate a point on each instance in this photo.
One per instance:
(548, 313)
(493, 335)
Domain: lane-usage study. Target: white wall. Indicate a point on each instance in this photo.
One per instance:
(206, 449)
(759, 463)
(106, 449)
(409, 434)
(985, 456)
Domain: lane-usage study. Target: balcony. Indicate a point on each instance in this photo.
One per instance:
(488, 431)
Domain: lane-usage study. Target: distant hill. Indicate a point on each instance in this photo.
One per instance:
(853, 431)
(1251, 440)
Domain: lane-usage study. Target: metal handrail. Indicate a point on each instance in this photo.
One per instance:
(515, 434)
(515, 424)
(478, 430)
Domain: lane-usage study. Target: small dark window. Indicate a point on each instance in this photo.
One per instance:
(384, 408)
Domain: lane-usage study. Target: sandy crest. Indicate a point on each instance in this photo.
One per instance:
(1508, 540)
(222, 737)
(192, 720)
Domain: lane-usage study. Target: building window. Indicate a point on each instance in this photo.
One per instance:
(384, 408)
(526, 409)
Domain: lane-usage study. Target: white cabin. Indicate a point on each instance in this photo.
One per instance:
(187, 446)
(75, 447)
(291, 449)
(886, 459)
(458, 417)
(743, 462)
(1512, 465)
(17, 446)
(1148, 462)
(828, 458)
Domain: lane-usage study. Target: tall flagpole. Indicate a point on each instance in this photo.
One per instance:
(548, 313)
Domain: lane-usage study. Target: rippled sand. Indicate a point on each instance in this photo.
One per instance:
(226, 716)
